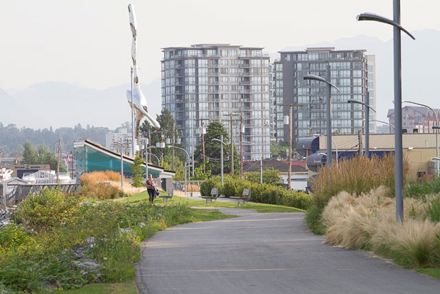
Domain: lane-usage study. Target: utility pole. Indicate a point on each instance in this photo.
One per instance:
(289, 174)
(241, 145)
(232, 147)
(59, 158)
(174, 142)
(360, 142)
(202, 132)
(203, 150)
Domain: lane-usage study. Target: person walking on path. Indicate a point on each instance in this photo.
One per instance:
(151, 187)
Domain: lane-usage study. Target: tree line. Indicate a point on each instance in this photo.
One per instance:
(12, 139)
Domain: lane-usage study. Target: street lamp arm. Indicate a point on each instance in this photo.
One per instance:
(321, 79)
(424, 105)
(158, 160)
(187, 154)
(360, 102)
(384, 122)
(378, 18)
(219, 141)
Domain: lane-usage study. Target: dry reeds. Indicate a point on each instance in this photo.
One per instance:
(192, 188)
(368, 221)
(356, 175)
(100, 176)
(106, 185)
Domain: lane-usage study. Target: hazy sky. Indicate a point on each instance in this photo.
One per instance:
(89, 42)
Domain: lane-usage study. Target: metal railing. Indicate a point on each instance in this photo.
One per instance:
(19, 192)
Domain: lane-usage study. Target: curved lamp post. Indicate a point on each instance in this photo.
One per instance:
(367, 121)
(384, 122)
(188, 160)
(157, 158)
(436, 127)
(397, 96)
(328, 108)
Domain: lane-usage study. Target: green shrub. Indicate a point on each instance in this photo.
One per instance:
(419, 190)
(270, 176)
(233, 186)
(29, 259)
(313, 219)
(433, 209)
(206, 186)
(46, 211)
(12, 236)
(138, 172)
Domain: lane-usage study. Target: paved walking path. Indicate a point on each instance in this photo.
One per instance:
(262, 254)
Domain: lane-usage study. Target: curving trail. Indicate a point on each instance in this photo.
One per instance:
(264, 253)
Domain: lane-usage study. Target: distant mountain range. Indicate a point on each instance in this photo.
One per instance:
(65, 105)
(54, 104)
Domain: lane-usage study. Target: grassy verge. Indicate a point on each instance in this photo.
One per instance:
(432, 272)
(259, 207)
(54, 236)
(117, 288)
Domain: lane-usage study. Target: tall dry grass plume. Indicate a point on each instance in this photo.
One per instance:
(106, 185)
(356, 175)
(100, 176)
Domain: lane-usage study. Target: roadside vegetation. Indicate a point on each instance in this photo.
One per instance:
(57, 241)
(186, 200)
(260, 193)
(356, 209)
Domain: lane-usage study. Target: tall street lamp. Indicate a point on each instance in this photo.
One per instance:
(436, 127)
(384, 122)
(328, 109)
(221, 152)
(188, 161)
(397, 97)
(367, 121)
(288, 121)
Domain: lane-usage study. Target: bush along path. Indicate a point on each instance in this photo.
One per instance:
(54, 241)
(357, 210)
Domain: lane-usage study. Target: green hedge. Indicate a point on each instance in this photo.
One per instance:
(261, 193)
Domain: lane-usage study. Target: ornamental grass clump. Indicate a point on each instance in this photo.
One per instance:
(97, 185)
(99, 176)
(368, 221)
(356, 175)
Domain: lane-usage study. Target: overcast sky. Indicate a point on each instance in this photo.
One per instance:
(88, 42)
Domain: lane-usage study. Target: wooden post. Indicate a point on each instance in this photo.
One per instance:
(59, 158)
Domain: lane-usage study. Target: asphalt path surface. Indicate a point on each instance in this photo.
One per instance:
(264, 253)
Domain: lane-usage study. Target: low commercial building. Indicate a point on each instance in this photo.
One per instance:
(418, 149)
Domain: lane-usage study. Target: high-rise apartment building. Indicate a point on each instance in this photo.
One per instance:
(371, 60)
(212, 82)
(349, 72)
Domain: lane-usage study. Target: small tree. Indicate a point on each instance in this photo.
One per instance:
(199, 175)
(137, 172)
(270, 176)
